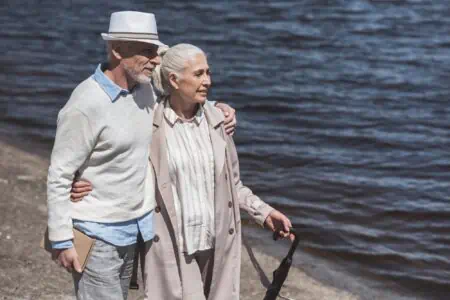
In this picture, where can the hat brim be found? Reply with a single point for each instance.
(108, 37)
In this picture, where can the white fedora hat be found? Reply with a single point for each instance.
(132, 26)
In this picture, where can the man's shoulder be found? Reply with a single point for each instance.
(87, 97)
(86, 90)
(216, 115)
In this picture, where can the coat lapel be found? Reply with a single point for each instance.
(215, 119)
(159, 160)
(222, 212)
(218, 145)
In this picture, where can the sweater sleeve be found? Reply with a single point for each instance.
(252, 204)
(74, 142)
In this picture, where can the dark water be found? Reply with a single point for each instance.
(342, 106)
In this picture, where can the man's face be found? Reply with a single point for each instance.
(139, 60)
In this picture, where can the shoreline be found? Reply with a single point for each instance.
(29, 273)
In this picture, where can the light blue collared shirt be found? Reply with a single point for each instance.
(110, 88)
(122, 233)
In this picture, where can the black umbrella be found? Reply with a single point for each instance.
(140, 246)
(134, 285)
(281, 273)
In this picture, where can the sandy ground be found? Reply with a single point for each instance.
(26, 271)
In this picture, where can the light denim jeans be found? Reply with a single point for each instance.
(107, 273)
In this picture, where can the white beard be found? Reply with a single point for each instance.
(138, 77)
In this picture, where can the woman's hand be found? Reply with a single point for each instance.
(277, 222)
(80, 189)
(230, 117)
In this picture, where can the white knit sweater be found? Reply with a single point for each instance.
(108, 142)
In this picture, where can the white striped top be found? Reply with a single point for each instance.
(191, 169)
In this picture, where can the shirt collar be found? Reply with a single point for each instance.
(110, 88)
(173, 118)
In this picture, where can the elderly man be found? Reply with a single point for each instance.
(103, 134)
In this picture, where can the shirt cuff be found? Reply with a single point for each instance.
(62, 244)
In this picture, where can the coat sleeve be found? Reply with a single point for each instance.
(73, 144)
(252, 204)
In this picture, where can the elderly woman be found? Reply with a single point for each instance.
(196, 252)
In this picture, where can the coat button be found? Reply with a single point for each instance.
(231, 231)
(157, 209)
(230, 204)
(156, 238)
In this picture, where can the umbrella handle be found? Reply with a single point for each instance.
(276, 236)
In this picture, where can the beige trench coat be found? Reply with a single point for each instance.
(163, 276)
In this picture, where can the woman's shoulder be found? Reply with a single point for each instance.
(214, 114)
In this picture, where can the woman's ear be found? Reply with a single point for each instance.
(173, 80)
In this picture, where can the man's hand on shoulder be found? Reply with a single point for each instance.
(230, 117)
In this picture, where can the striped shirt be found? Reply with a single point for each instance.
(191, 169)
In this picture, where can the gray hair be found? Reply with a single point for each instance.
(173, 60)
(108, 50)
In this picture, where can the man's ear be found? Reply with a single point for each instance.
(173, 80)
(116, 53)
(117, 50)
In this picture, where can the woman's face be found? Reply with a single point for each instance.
(195, 80)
